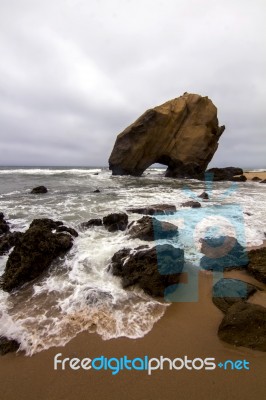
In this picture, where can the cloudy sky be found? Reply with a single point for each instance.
(75, 73)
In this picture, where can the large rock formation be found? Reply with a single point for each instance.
(182, 133)
(227, 292)
(153, 270)
(257, 264)
(244, 324)
(34, 252)
(115, 222)
(8, 345)
(149, 228)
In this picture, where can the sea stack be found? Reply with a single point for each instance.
(182, 133)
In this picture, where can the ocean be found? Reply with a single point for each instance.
(78, 293)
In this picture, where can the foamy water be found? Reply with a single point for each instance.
(78, 293)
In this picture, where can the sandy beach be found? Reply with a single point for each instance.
(250, 175)
(186, 329)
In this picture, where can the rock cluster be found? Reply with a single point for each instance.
(224, 174)
(154, 270)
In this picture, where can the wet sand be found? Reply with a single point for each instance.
(250, 175)
(186, 329)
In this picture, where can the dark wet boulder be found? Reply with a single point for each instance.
(263, 181)
(240, 178)
(204, 196)
(95, 297)
(115, 222)
(149, 228)
(9, 240)
(4, 227)
(222, 253)
(91, 223)
(154, 209)
(192, 204)
(34, 253)
(153, 270)
(244, 324)
(223, 174)
(97, 191)
(39, 190)
(8, 345)
(257, 264)
(227, 292)
(64, 228)
(256, 179)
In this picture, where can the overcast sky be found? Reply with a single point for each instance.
(75, 73)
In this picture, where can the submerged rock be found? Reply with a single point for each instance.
(244, 324)
(224, 174)
(256, 179)
(149, 228)
(39, 190)
(115, 222)
(241, 178)
(92, 222)
(8, 345)
(34, 253)
(153, 270)
(263, 181)
(227, 292)
(63, 228)
(257, 264)
(192, 204)
(204, 196)
(182, 133)
(154, 209)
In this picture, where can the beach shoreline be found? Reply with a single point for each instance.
(185, 329)
(251, 174)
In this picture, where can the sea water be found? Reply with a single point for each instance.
(78, 293)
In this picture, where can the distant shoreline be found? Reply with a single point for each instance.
(251, 174)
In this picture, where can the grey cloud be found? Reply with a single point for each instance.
(73, 74)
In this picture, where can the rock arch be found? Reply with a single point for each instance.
(182, 134)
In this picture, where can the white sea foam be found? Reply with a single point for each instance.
(49, 171)
(78, 295)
